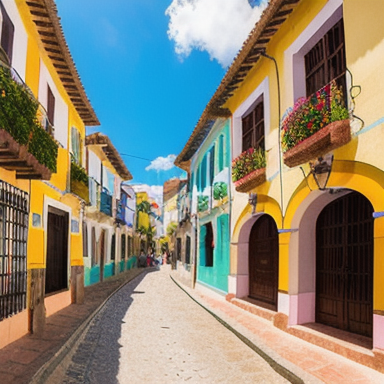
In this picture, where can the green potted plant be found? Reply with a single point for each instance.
(248, 169)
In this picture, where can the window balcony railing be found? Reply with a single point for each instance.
(120, 212)
(106, 203)
(26, 144)
(315, 126)
(248, 170)
(79, 181)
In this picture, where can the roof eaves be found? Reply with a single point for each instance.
(273, 16)
(48, 25)
(111, 153)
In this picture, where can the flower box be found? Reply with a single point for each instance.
(333, 136)
(250, 181)
(248, 169)
(80, 189)
(315, 125)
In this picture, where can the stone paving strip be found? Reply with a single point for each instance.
(152, 332)
(310, 362)
(29, 358)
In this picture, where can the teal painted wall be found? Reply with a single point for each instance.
(217, 275)
(91, 275)
(109, 270)
(132, 262)
(122, 266)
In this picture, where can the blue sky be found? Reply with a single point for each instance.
(149, 67)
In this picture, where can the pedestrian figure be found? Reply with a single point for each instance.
(142, 259)
(149, 257)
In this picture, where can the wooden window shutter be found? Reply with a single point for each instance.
(51, 106)
(7, 33)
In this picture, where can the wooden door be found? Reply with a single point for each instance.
(264, 262)
(56, 278)
(344, 265)
(102, 254)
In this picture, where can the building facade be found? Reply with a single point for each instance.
(306, 206)
(307, 210)
(41, 263)
(204, 225)
(109, 238)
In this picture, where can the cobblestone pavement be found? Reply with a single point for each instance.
(150, 331)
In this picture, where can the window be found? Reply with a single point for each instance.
(51, 106)
(326, 60)
(188, 250)
(253, 128)
(211, 165)
(203, 174)
(93, 249)
(206, 245)
(76, 145)
(220, 154)
(13, 250)
(122, 246)
(113, 247)
(130, 246)
(85, 239)
(178, 248)
(7, 32)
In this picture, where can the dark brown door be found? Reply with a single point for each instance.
(344, 265)
(102, 254)
(264, 262)
(56, 278)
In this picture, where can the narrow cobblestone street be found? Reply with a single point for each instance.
(152, 332)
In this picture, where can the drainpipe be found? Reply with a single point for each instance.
(278, 136)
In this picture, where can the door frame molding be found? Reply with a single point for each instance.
(50, 203)
(262, 303)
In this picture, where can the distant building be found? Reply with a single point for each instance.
(108, 235)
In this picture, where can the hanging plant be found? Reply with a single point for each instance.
(220, 190)
(18, 116)
(78, 173)
(249, 161)
(202, 203)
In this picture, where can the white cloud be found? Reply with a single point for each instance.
(155, 192)
(162, 163)
(217, 26)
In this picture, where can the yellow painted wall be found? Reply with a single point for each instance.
(143, 218)
(359, 165)
(60, 179)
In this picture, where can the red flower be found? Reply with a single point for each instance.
(309, 125)
(320, 106)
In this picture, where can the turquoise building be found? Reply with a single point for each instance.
(206, 158)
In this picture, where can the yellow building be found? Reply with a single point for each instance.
(42, 265)
(142, 223)
(307, 228)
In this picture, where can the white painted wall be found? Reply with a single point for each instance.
(61, 108)
(20, 41)
(94, 166)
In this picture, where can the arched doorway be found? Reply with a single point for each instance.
(344, 264)
(264, 262)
